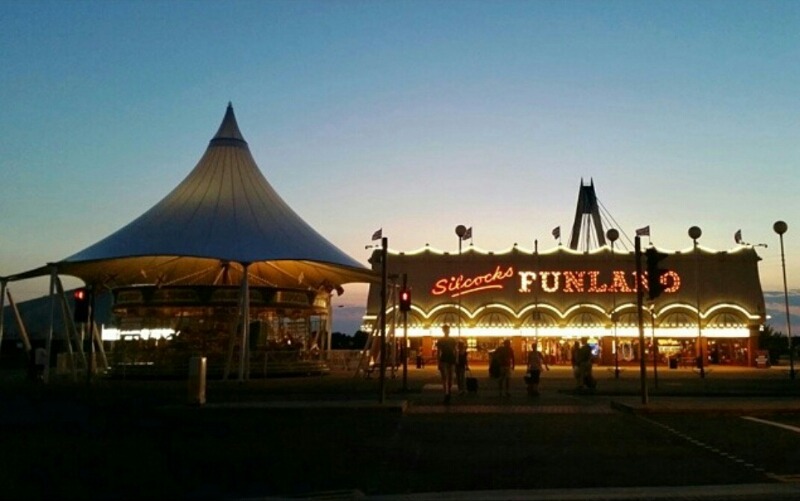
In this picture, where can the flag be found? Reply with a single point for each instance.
(737, 237)
(378, 234)
(467, 234)
(557, 232)
(643, 232)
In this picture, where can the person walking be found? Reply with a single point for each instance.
(505, 357)
(585, 364)
(576, 370)
(535, 363)
(446, 350)
(462, 366)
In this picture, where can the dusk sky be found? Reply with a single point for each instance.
(411, 116)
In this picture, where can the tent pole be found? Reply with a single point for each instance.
(71, 330)
(229, 358)
(22, 332)
(329, 329)
(100, 350)
(49, 345)
(3, 283)
(245, 321)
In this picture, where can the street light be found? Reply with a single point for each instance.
(780, 228)
(694, 233)
(461, 230)
(612, 235)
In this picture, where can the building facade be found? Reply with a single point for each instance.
(712, 304)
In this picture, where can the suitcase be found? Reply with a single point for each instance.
(472, 384)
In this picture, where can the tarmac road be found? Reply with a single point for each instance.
(332, 438)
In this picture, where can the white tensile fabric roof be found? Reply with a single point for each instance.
(222, 215)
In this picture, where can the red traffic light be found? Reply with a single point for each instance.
(405, 300)
(81, 313)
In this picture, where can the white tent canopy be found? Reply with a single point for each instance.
(222, 217)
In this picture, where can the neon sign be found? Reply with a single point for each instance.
(570, 282)
(460, 286)
(567, 282)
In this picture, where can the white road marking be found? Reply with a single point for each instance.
(773, 423)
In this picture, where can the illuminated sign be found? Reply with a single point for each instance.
(568, 282)
(590, 281)
(459, 286)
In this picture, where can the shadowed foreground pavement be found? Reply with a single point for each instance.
(332, 438)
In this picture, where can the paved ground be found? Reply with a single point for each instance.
(340, 437)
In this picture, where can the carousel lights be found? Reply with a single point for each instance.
(114, 334)
(507, 331)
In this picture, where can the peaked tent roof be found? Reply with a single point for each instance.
(222, 215)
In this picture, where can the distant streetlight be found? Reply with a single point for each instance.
(694, 233)
(612, 235)
(461, 230)
(780, 228)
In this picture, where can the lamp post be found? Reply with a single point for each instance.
(612, 235)
(694, 233)
(384, 279)
(461, 230)
(536, 314)
(780, 228)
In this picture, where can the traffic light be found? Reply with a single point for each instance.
(405, 299)
(654, 285)
(81, 313)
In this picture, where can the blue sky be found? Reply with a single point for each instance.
(409, 116)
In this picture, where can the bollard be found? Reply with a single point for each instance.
(197, 380)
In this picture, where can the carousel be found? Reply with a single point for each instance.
(221, 268)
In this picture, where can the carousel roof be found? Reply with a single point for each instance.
(223, 215)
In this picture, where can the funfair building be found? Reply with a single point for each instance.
(710, 311)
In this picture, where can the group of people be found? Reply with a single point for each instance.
(582, 360)
(453, 365)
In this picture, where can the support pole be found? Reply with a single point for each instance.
(392, 340)
(460, 267)
(88, 337)
(536, 314)
(3, 283)
(384, 278)
(780, 228)
(23, 334)
(71, 331)
(101, 351)
(639, 306)
(404, 351)
(328, 329)
(245, 321)
(49, 345)
(613, 234)
(655, 345)
(695, 233)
